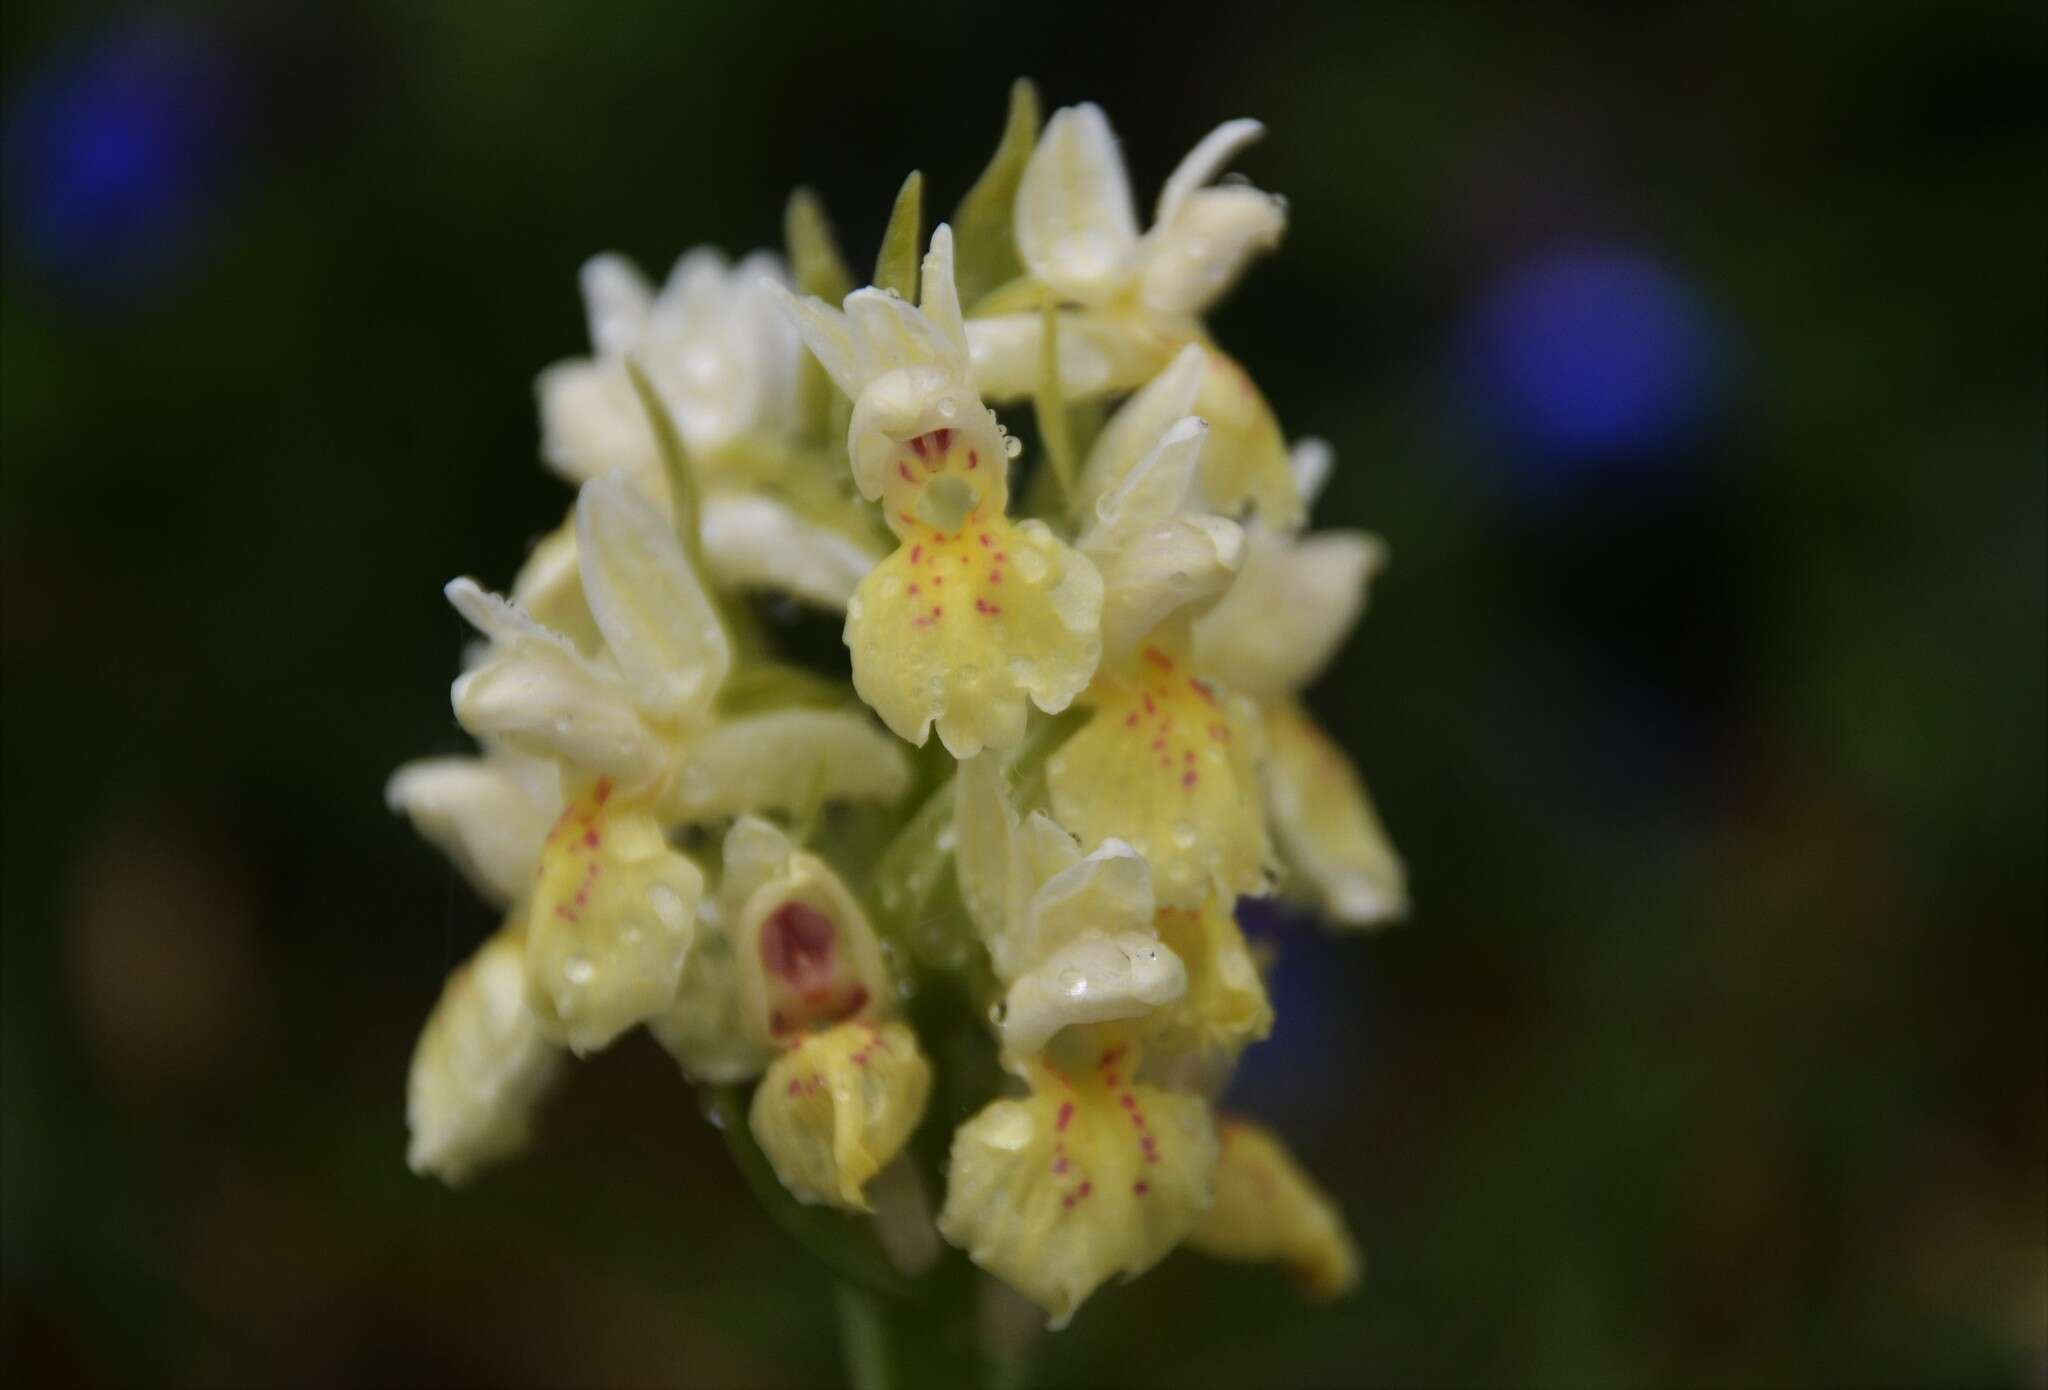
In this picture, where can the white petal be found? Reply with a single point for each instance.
(1310, 461)
(707, 354)
(1192, 260)
(755, 851)
(615, 299)
(777, 352)
(1142, 421)
(482, 817)
(939, 300)
(754, 541)
(1154, 491)
(1108, 891)
(1076, 229)
(549, 586)
(481, 1066)
(827, 334)
(1326, 824)
(1291, 606)
(890, 333)
(536, 692)
(1178, 565)
(656, 618)
(984, 829)
(591, 422)
(1203, 163)
(786, 760)
(1095, 978)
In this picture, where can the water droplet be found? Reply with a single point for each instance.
(945, 839)
(1030, 564)
(1073, 983)
(947, 408)
(1012, 446)
(891, 586)
(1184, 836)
(1024, 672)
(578, 971)
(668, 906)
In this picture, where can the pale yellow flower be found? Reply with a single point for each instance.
(637, 731)
(838, 1106)
(1092, 1173)
(723, 362)
(1131, 302)
(788, 978)
(974, 617)
(1167, 761)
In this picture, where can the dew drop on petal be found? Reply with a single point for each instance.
(667, 905)
(578, 971)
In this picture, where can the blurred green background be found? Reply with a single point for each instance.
(1691, 362)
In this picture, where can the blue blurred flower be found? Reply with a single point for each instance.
(1588, 356)
(1316, 993)
(114, 157)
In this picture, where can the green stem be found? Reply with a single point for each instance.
(930, 1343)
(864, 1340)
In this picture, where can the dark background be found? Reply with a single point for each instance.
(1691, 362)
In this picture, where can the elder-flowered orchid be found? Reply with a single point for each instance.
(975, 616)
(642, 746)
(1167, 760)
(1130, 302)
(722, 361)
(787, 983)
(1294, 601)
(1044, 940)
(1093, 1172)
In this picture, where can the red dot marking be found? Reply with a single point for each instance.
(903, 469)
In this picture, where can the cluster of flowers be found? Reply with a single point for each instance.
(689, 833)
